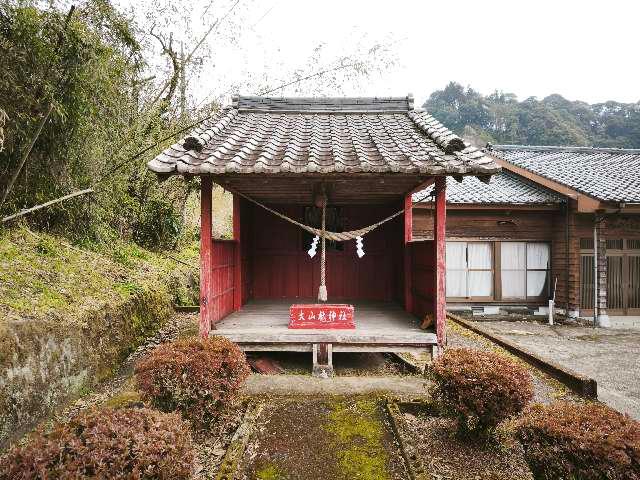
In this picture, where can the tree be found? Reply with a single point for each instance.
(100, 94)
(500, 118)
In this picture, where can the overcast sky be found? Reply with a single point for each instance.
(583, 50)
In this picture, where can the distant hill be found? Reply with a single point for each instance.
(554, 120)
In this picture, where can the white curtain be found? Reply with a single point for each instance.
(479, 256)
(536, 283)
(537, 256)
(480, 283)
(456, 269)
(537, 259)
(456, 255)
(456, 283)
(513, 255)
(462, 256)
(514, 268)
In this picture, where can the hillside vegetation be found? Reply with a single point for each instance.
(70, 315)
(501, 118)
(44, 277)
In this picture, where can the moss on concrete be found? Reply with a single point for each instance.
(359, 438)
(270, 472)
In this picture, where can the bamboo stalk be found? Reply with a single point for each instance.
(46, 204)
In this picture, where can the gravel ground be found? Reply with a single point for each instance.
(611, 357)
(546, 388)
(434, 448)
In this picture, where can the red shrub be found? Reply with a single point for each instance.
(573, 440)
(479, 388)
(196, 377)
(106, 444)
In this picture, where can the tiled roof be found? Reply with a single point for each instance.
(504, 188)
(322, 135)
(608, 174)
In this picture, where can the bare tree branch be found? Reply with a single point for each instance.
(211, 28)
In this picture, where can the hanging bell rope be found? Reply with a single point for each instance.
(322, 289)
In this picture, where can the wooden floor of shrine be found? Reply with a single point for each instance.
(261, 325)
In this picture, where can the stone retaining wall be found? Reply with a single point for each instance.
(46, 363)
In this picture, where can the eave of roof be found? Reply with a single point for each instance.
(504, 190)
(310, 136)
(597, 178)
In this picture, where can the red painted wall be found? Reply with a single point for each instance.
(422, 274)
(279, 266)
(222, 278)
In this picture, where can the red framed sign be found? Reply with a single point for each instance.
(321, 315)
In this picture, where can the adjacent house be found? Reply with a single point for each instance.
(534, 231)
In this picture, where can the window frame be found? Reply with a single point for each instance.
(527, 298)
(496, 273)
(467, 269)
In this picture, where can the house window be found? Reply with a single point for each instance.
(470, 270)
(524, 270)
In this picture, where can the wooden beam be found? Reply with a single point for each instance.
(206, 257)
(423, 185)
(439, 246)
(237, 271)
(408, 235)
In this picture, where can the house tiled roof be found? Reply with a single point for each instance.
(607, 174)
(505, 188)
(322, 135)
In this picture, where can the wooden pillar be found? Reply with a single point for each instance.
(408, 235)
(439, 249)
(237, 271)
(206, 257)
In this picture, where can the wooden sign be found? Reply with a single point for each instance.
(322, 315)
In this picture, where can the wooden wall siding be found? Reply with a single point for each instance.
(483, 224)
(634, 282)
(586, 287)
(281, 267)
(423, 275)
(565, 268)
(619, 251)
(572, 291)
(223, 282)
(615, 283)
(246, 249)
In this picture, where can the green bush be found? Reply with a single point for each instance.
(590, 441)
(106, 444)
(198, 377)
(480, 389)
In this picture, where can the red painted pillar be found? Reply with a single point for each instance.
(439, 247)
(237, 263)
(206, 257)
(408, 235)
